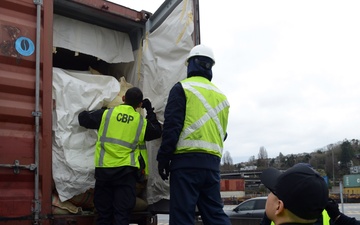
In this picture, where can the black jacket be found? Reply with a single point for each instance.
(345, 220)
(342, 220)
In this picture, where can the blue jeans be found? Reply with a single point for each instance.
(196, 187)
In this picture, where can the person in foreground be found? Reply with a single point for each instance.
(122, 133)
(297, 196)
(331, 215)
(196, 117)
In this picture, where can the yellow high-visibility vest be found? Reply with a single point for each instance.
(205, 124)
(326, 218)
(120, 137)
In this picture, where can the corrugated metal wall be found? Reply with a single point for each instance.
(17, 104)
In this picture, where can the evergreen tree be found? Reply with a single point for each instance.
(347, 153)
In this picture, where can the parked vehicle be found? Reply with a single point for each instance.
(51, 55)
(251, 208)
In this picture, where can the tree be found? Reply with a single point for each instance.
(262, 153)
(290, 161)
(346, 156)
(307, 158)
(252, 159)
(272, 163)
(330, 160)
(356, 149)
(281, 155)
(262, 158)
(282, 161)
(227, 162)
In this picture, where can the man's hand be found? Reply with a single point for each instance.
(146, 104)
(164, 169)
(332, 208)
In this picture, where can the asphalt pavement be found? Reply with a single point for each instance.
(350, 209)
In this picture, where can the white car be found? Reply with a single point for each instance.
(251, 208)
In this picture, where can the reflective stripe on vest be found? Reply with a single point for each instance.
(133, 146)
(212, 113)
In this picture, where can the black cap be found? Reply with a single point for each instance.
(303, 191)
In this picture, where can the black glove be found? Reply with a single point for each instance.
(332, 208)
(146, 104)
(164, 169)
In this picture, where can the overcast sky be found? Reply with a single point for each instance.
(290, 69)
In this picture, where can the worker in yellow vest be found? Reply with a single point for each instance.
(331, 215)
(196, 117)
(297, 196)
(122, 133)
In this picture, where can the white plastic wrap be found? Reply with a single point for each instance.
(109, 45)
(73, 145)
(165, 52)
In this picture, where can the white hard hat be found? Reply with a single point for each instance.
(201, 50)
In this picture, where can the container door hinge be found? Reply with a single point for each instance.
(37, 206)
(38, 2)
(36, 114)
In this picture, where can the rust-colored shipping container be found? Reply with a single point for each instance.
(232, 185)
(27, 58)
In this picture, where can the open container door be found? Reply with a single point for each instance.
(171, 33)
(96, 45)
(94, 48)
(159, 49)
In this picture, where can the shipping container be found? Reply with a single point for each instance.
(232, 185)
(59, 57)
(352, 180)
(352, 191)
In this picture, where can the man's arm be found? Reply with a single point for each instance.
(174, 121)
(344, 219)
(338, 218)
(153, 127)
(91, 119)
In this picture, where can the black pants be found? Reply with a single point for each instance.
(115, 199)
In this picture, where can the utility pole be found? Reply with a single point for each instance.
(333, 164)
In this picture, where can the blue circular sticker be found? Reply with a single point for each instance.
(24, 46)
